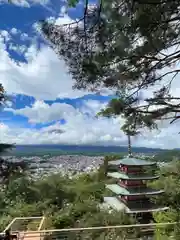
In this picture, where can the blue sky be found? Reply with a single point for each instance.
(41, 88)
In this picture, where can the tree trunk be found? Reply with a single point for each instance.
(129, 146)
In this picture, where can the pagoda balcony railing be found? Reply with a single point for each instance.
(124, 185)
(141, 174)
(137, 189)
(141, 205)
(133, 171)
(137, 203)
(135, 200)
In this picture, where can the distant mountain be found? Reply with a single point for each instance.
(77, 149)
(58, 131)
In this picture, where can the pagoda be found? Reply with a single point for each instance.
(132, 194)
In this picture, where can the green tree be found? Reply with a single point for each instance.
(169, 181)
(105, 218)
(3, 96)
(73, 3)
(125, 43)
(132, 123)
(21, 189)
(87, 213)
(53, 190)
(7, 167)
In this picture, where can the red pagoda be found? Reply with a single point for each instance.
(132, 194)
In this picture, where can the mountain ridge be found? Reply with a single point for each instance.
(86, 150)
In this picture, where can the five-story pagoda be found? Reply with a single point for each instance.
(131, 191)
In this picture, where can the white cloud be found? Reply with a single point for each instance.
(14, 31)
(40, 112)
(24, 3)
(92, 107)
(4, 34)
(44, 76)
(81, 131)
(81, 128)
(63, 10)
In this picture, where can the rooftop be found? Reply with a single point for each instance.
(132, 162)
(120, 175)
(132, 192)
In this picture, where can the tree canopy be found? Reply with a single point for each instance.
(8, 169)
(126, 43)
(72, 3)
(3, 96)
(132, 123)
(75, 202)
(65, 202)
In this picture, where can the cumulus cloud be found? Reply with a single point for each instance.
(81, 131)
(14, 31)
(4, 34)
(45, 77)
(92, 107)
(40, 112)
(24, 3)
(80, 128)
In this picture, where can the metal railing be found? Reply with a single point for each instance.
(21, 224)
(160, 231)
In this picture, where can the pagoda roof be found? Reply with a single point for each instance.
(116, 204)
(132, 192)
(132, 162)
(120, 175)
(140, 210)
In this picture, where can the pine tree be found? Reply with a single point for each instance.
(125, 42)
(8, 168)
(132, 124)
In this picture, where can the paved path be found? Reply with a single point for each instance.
(30, 236)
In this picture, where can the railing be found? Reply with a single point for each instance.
(161, 231)
(22, 224)
(131, 186)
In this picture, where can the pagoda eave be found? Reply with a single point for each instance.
(131, 162)
(143, 210)
(119, 175)
(122, 191)
(118, 205)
